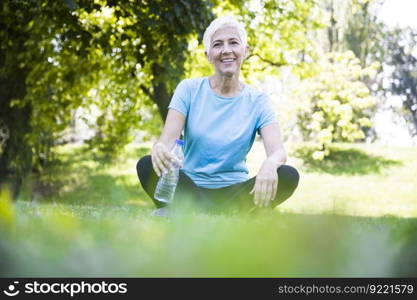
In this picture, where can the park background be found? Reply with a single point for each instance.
(84, 90)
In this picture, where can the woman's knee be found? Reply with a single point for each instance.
(289, 175)
(147, 177)
(143, 164)
(288, 178)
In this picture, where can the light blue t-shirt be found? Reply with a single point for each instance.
(219, 131)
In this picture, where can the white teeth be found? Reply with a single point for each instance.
(227, 60)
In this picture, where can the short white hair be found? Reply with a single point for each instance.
(221, 22)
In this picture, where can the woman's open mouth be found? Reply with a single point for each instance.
(228, 60)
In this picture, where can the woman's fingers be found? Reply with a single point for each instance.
(160, 163)
(263, 193)
(251, 192)
(274, 190)
(255, 193)
(165, 162)
(155, 165)
(268, 193)
(167, 158)
(259, 191)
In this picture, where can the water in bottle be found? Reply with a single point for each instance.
(167, 183)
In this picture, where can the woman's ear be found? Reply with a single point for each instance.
(247, 52)
(207, 56)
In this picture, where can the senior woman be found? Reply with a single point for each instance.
(220, 116)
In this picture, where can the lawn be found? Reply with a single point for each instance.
(353, 215)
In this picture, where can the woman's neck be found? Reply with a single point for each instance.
(226, 86)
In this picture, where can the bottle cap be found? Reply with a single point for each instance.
(179, 142)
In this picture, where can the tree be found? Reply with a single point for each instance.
(56, 56)
(335, 103)
(402, 60)
(364, 33)
(352, 25)
(24, 26)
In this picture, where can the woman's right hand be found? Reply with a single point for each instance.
(162, 158)
(161, 155)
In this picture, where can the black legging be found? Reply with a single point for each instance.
(233, 196)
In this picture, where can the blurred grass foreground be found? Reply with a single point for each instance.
(353, 215)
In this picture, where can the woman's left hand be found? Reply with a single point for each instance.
(266, 184)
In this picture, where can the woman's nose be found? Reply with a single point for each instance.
(226, 49)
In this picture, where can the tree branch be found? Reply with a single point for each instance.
(270, 62)
(146, 90)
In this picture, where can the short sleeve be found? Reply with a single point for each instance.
(181, 99)
(266, 114)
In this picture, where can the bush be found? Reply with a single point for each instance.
(335, 105)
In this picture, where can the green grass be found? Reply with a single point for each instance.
(353, 215)
(384, 183)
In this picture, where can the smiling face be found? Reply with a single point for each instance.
(226, 51)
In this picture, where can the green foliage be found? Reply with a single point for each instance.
(402, 59)
(119, 61)
(80, 241)
(335, 104)
(353, 25)
(7, 215)
(364, 33)
(132, 53)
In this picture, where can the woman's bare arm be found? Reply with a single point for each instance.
(273, 144)
(266, 183)
(161, 156)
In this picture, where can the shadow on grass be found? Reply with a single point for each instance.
(348, 161)
(80, 177)
(104, 189)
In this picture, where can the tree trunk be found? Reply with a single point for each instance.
(16, 158)
(160, 94)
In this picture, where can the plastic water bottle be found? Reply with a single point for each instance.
(167, 183)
